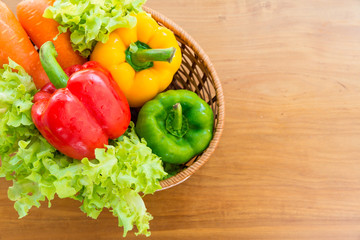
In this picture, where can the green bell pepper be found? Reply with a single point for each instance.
(177, 125)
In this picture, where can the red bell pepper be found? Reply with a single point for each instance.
(85, 111)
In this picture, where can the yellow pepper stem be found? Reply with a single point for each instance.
(143, 56)
(140, 56)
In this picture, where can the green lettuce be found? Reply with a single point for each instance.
(117, 179)
(91, 21)
(16, 94)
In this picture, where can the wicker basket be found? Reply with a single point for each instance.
(197, 74)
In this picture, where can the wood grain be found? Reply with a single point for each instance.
(288, 164)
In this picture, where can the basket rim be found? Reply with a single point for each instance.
(186, 173)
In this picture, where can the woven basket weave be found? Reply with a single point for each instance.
(196, 74)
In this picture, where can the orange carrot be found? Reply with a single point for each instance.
(40, 29)
(15, 44)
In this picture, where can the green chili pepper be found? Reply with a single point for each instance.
(177, 125)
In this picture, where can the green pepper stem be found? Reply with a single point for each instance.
(177, 123)
(142, 57)
(52, 68)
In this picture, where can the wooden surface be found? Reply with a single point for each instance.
(288, 164)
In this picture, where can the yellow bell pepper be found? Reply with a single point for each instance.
(142, 60)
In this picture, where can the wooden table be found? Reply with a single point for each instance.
(288, 164)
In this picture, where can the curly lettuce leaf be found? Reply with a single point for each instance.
(92, 21)
(114, 180)
(16, 94)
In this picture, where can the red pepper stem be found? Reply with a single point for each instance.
(177, 123)
(142, 57)
(52, 68)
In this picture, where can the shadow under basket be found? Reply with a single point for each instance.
(198, 75)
